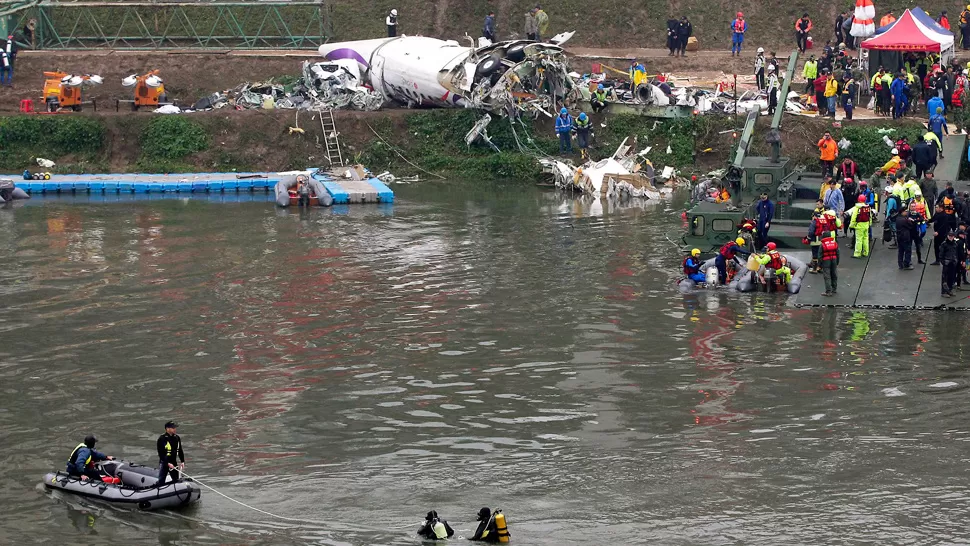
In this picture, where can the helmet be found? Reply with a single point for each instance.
(863, 182)
(939, 110)
(600, 87)
(761, 50)
(739, 241)
(771, 68)
(894, 151)
(90, 440)
(563, 111)
(582, 116)
(861, 199)
(742, 15)
(772, 246)
(393, 12)
(695, 252)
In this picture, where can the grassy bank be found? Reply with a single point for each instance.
(406, 142)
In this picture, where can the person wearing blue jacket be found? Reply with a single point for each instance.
(766, 212)
(938, 126)
(82, 459)
(900, 97)
(934, 103)
(564, 128)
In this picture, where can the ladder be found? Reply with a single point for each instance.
(331, 138)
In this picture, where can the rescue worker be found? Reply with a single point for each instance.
(783, 275)
(850, 194)
(809, 72)
(860, 220)
(850, 90)
(564, 128)
(582, 127)
(847, 169)
(942, 223)
(692, 266)
(542, 23)
(684, 31)
(965, 28)
(531, 27)
(819, 87)
(876, 85)
(949, 258)
(638, 73)
(839, 21)
(903, 173)
(171, 458)
(488, 31)
(435, 528)
(943, 20)
(391, 22)
(924, 158)
(738, 27)
(833, 199)
(919, 213)
(812, 239)
(598, 99)
(766, 213)
(905, 235)
(772, 88)
(759, 69)
(887, 19)
(892, 211)
(909, 191)
(771, 259)
(726, 254)
(929, 188)
(828, 151)
(962, 255)
(900, 96)
(905, 150)
(672, 43)
(487, 528)
(937, 126)
(831, 93)
(892, 165)
(82, 459)
(935, 144)
(802, 27)
(830, 262)
(748, 232)
(933, 103)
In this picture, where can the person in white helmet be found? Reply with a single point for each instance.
(392, 24)
(759, 68)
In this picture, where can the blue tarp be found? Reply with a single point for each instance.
(922, 17)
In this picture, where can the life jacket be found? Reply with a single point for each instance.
(600, 95)
(863, 214)
(70, 461)
(580, 124)
(738, 26)
(830, 249)
(918, 208)
(948, 206)
(775, 259)
(688, 268)
(728, 250)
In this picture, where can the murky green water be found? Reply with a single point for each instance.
(466, 347)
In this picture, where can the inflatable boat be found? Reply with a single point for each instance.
(302, 190)
(136, 487)
(747, 280)
(10, 192)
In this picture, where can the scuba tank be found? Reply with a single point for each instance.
(439, 530)
(501, 527)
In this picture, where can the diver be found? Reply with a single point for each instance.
(435, 528)
(82, 459)
(726, 254)
(488, 530)
(692, 267)
(169, 447)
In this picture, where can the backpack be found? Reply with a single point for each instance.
(863, 214)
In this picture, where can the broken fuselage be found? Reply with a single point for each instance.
(420, 71)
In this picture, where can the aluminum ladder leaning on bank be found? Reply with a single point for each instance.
(331, 137)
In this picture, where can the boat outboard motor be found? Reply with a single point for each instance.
(771, 281)
(303, 191)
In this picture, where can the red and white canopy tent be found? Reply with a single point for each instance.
(910, 34)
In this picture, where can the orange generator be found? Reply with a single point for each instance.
(63, 90)
(149, 91)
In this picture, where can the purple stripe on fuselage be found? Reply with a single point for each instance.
(347, 53)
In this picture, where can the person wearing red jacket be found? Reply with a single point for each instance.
(943, 21)
(802, 27)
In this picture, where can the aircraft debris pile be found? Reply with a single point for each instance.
(627, 173)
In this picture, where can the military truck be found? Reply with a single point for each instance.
(793, 191)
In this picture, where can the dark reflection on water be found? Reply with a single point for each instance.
(466, 347)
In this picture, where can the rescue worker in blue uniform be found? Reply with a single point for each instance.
(564, 128)
(766, 212)
(82, 459)
(726, 254)
(582, 128)
(171, 459)
(692, 266)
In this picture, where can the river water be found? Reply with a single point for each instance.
(500, 346)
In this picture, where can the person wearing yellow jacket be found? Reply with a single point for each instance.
(810, 72)
(892, 165)
(860, 220)
(831, 93)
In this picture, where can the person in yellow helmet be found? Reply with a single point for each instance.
(692, 266)
(726, 254)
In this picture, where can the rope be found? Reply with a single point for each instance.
(277, 516)
(393, 149)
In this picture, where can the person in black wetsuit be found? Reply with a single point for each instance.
(435, 528)
(171, 459)
(487, 530)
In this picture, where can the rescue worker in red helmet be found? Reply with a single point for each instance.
(771, 259)
(860, 219)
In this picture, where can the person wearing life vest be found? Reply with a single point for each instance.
(638, 73)
(943, 20)
(435, 528)
(599, 98)
(809, 72)
(749, 233)
(692, 266)
(171, 458)
(82, 459)
(802, 27)
(909, 191)
(830, 262)
(726, 254)
(860, 220)
(965, 28)
(892, 165)
(487, 528)
(738, 27)
(919, 212)
(759, 69)
(771, 259)
(812, 238)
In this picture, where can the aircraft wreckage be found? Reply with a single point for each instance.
(505, 78)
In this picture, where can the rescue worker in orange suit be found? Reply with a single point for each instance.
(726, 254)
(82, 459)
(828, 152)
(692, 266)
(170, 456)
(802, 27)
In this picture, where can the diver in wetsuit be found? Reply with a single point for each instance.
(435, 528)
(487, 530)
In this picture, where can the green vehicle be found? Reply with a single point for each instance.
(793, 191)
